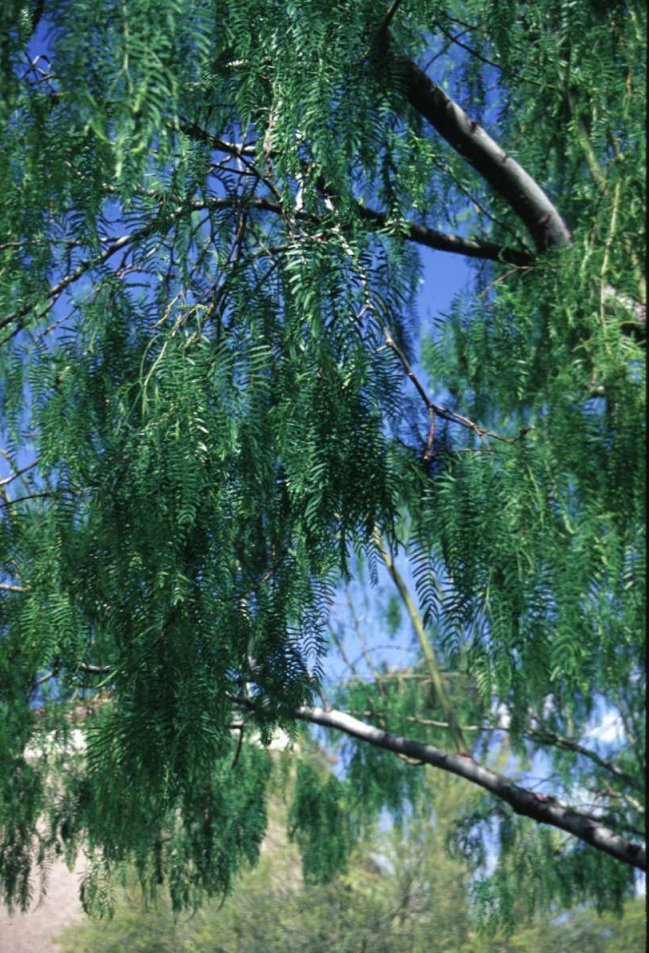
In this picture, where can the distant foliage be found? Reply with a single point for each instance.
(399, 892)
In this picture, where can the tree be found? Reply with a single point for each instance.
(396, 891)
(216, 397)
(399, 892)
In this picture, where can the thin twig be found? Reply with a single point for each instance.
(444, 412)
(17, 473)
(21, 499)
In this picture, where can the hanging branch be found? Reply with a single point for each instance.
(428, 652)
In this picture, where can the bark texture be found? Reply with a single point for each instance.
(505, 176)
(540, 808)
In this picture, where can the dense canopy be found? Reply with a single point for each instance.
(218, 401)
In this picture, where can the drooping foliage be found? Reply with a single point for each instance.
(400, 891)
(210, 215)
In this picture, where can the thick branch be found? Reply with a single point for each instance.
(544, 810)
(429, 237)
(504, 174)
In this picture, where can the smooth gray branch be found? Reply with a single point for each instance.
(503, 173)
(540, 808)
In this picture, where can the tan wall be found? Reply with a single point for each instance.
(33, 932)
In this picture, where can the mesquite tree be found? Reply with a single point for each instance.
(217, 398)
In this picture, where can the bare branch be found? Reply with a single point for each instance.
(541, 808)
(516, 186)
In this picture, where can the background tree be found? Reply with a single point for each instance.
(400, 892)
(211, 402)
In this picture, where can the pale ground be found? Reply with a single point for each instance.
(34, 931)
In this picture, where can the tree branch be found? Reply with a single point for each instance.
(472, 248)
(506, 177)
(549, 739)
(540, 808)
(427, 650)
(442, 241)
(420, 234)
(444, 412)
(85, 266)
(545, 736)
(394, 6)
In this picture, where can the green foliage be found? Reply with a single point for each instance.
(537, 870)
(340, 918)
(400, 892)
(318, 824)
(206, 411)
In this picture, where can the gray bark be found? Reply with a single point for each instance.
(540, 808)
(506, 177)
